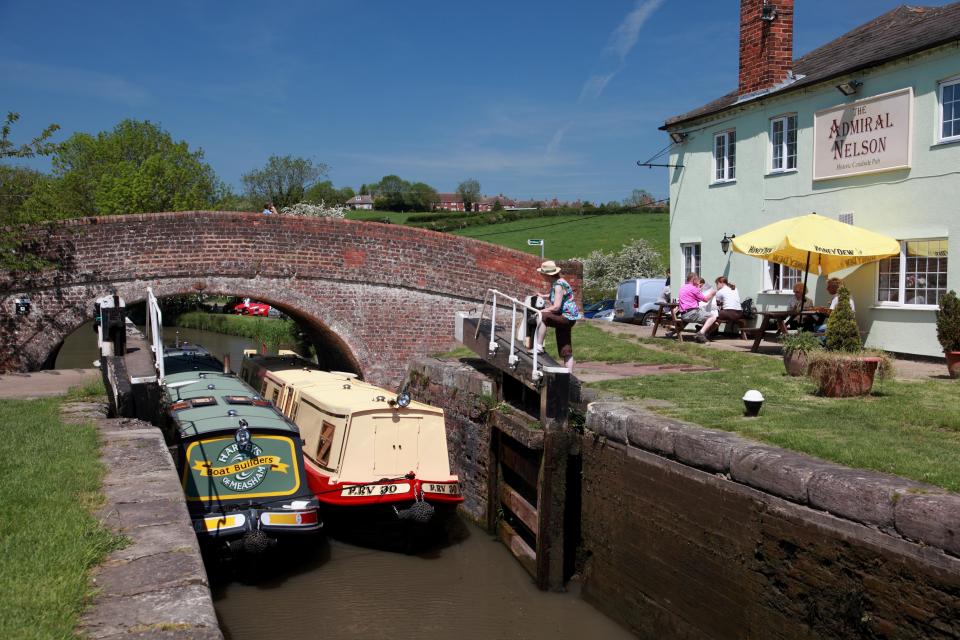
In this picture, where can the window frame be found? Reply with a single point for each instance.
(726, 134)
(902, 289)
(698, 258)
(768, 278)
(941, 85)
(784, 145)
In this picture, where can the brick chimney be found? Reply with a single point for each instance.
(766, 43)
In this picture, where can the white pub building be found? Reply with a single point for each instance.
(865, 129)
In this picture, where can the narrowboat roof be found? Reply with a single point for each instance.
(340, 393)
(203, 399)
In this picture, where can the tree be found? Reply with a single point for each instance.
(136, 167)
(283, 181)
(842, 331)
(17, 184)
(36, 147)
(639, 198)
(603, 271)
(469, 190)
(421, 197)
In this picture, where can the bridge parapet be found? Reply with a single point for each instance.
(376, 294)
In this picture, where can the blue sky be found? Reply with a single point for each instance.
(533, 98)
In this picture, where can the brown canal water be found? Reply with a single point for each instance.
(471, 589)
(329, 589)
(79, 349)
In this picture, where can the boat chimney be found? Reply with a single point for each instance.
(226, 363)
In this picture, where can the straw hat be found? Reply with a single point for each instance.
(549, 268)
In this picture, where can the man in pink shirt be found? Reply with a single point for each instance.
(688, 306)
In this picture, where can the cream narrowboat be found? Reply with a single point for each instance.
(365, 449)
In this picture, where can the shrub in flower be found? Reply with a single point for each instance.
(309, 209)
(602, 271)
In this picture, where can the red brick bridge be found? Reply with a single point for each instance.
(369, 296)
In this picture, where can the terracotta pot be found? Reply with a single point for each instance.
(795, 362)
(953, 363)
(844, 379)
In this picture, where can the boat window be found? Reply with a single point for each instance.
(205, 401)
(238, 399)
(286, 409)
(326, 439)
(276, 395)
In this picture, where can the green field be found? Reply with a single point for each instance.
(571, 236)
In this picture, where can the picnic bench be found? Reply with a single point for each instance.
(773, 324)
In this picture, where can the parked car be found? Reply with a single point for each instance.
(247, 307)
(596, 308)
(636, 300)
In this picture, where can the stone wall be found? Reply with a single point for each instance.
(692, 533)
(378, 295)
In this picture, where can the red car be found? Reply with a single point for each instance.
(248, 307)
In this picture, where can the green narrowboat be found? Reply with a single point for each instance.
(240, 460)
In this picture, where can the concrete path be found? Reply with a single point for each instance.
(156, 587)
(904, 369)
(43, 384)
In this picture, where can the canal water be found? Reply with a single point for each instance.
(467, 588)
(470, 589)
(79, 349)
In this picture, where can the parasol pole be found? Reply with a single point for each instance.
(803, 294)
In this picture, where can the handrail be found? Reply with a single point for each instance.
(155, 332)
(492, 346)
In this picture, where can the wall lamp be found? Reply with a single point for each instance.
(725, 243)
(678, 136)
(849, 88)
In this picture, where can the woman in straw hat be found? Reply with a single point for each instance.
(561, 314)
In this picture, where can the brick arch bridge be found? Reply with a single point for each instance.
(370, 296)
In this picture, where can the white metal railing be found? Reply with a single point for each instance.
(155, 332)
(492, 346)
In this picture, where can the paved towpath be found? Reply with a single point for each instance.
(43, 384)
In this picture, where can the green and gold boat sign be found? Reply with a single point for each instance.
(228, 468)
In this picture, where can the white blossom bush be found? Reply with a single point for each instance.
(310, 209)
(602, 271)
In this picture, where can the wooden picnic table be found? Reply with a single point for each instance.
(774, 324)
(664, 310)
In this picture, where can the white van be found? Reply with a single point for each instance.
(636, 300)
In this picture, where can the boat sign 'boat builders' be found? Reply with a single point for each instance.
(865, 136)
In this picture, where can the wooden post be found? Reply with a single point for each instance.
(552, 489)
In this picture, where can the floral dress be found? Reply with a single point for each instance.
(568, 307)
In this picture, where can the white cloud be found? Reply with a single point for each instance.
(595, 85)
(625, 36)
(558, 138)
(72, 81)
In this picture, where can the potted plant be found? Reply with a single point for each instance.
(844, 368)
(948, 331)
(796, 350)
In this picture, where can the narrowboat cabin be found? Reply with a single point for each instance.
(368, 452)
(240, 461)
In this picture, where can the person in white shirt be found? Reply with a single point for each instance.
(728, 302)
(833, 286)
(709, 306)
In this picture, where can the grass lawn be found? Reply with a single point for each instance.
(575, 236)
(395, 217)
(48, 538)
(909, 428)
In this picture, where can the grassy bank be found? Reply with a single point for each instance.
(908, 428)
(566, 236)
(49, 539)
(272, 331)
(576, 236)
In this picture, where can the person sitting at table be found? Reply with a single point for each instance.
(728, 302)
(798, 302)
(710, 306)
(688, 306)
(833, 286)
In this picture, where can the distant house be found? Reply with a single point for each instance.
(487, 203)
(361, 202)
(449, 202)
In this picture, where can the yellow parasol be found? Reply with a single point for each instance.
(828, 244)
